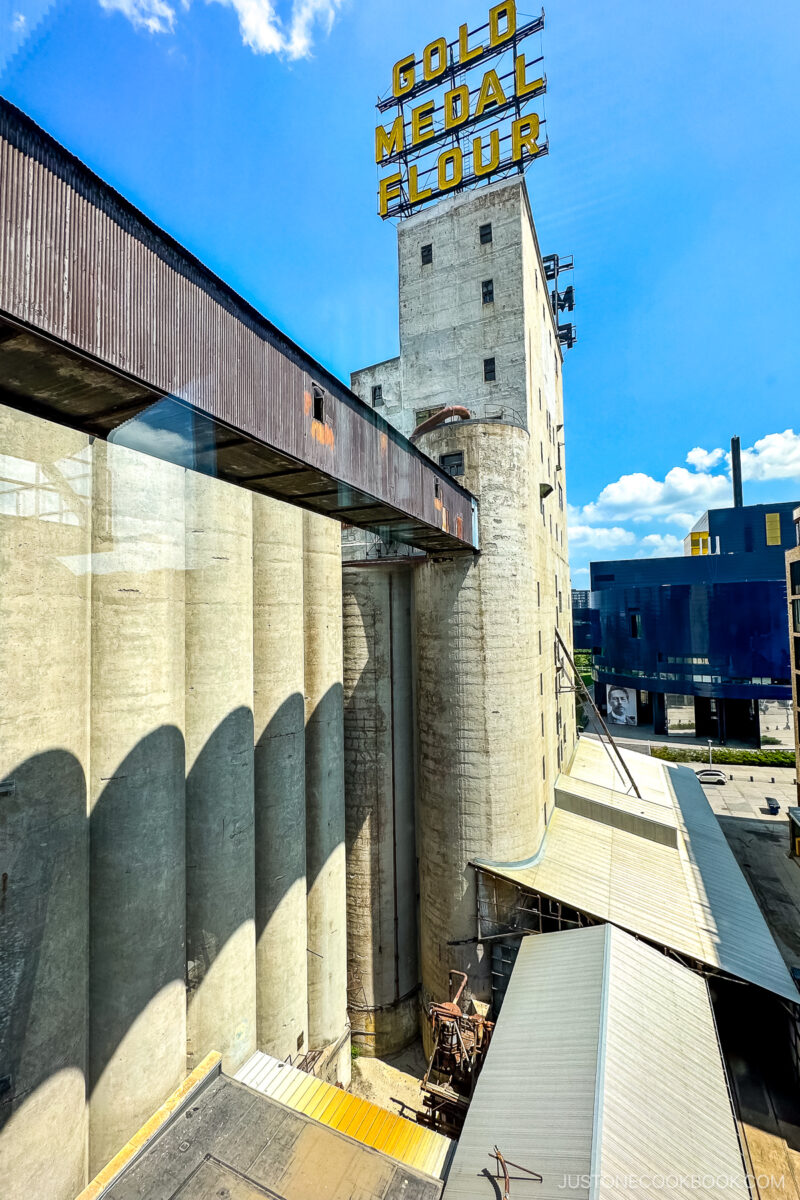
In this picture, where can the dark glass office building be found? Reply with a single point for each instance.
(700, 644)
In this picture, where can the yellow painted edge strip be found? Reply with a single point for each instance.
(406, 1145)
(297, 1097)
(387, 1133)
(370, 1122)
(343, 1113)
(353, 1115)
(334, 1106)
(377, 1129)
(321, 1101)
(150, 1128)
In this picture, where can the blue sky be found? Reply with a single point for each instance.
(245, 128)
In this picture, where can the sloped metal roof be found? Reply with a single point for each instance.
(423, 1149)
(690, 897)
(604, 1076)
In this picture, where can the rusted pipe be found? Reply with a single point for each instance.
(444, 414)
(459, 975)
(506, 1181)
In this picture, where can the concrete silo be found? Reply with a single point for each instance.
(379, 794)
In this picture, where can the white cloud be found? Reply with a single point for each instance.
(639, 497)
(704, 460)
(600, 537)
(260, 26)
(683, 520)
(156, 16)
(18, 22)
(776, 456)
(659, 545)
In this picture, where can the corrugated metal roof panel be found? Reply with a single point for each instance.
(423, 1149)
(563, 1092)
(691, 898)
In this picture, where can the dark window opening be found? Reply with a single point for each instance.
(319, 402)
(377, 395)
(604, 578)
(427, 254)
(452, 463)
(436, 488)
(748, 539)
(489, 373)
(422, 414)
(485, 233)
(544, 768)
(487, 291)
(636, 624)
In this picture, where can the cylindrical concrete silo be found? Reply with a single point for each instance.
(220, 882)
(45, 531)
(382, 964)
(137, 794)
(280, 785)
(325, 833)
(479, 786)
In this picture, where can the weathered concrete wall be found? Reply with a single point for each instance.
(149, 823)
(493, 732)
(325, 826)
(220, 879)
(544, 382)
(480, 786)
(446, 330)
(387, 376)
(45, 532)
(379, 799)
(136, 794)
(280, 786)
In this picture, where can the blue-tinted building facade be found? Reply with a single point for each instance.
(709, 625)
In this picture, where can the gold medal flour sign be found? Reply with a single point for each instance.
(460, 114)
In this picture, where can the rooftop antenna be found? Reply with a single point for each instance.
(736, 472)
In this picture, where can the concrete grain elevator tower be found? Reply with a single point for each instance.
(480, 346)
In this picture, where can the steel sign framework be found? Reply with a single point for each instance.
(461, 114)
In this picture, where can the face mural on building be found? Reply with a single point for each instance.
(622, 705)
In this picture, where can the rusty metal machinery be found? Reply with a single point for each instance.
(460, 1042)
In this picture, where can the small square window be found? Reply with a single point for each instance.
(427, 254)
(486, 233)
(377, 395)
(489, 373)
(452, 463)
(319, 402)
(422, 414)
(487, 291)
